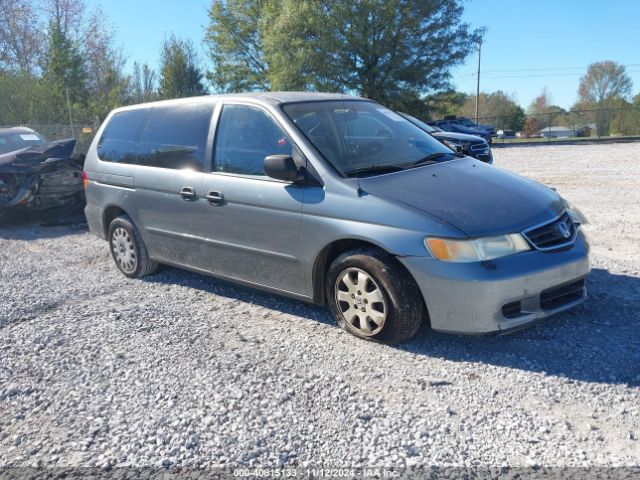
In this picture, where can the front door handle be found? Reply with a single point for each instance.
(187, 193)
(215, 198)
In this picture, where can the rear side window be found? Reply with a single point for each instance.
(175, 137)
(119, 141)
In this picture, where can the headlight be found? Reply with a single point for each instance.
(476, 250)
(575, 213)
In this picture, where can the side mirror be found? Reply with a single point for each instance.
(282, 167)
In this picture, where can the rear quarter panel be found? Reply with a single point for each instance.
(110, 185)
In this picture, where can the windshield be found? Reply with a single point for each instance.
(12, 141)
(359, 137)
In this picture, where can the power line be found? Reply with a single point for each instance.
(542, 69)
(545, 75)
(553, 68)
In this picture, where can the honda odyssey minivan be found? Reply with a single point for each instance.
(335, 200)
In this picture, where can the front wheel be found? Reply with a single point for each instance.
(373, 297)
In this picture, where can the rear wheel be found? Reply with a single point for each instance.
(128, 250)
(373, 297)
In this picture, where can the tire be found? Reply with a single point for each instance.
(389, 309)
(128, 250)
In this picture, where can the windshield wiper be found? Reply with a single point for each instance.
(375, 169)
(432, 158)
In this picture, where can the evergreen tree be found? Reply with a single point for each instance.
(65, 74)
(393, 51)
(180, 75)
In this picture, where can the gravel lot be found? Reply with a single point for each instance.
(180, 369)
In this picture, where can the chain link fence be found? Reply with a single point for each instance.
(556, 125)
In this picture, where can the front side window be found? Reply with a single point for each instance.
(246, 135)
(119, 141)
(362, 137)
(175, 137)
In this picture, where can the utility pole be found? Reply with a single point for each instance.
(478, 82)
(73, 133)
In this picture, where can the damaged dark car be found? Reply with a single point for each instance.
(37, 175)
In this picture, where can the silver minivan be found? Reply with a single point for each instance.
(335, 200)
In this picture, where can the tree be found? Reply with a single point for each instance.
(143, 84)
(498, 108)
(623, 118)
(104, 65)
(448, 102)
(531, 127)
(180, 75)
(20, 36)
(546, 113)
(23, 99)
(65, 73)
(68, 16)
(234, 38)
(604, 84)
(514, 118)
(541, 103)
(53, 46)
(393, 51)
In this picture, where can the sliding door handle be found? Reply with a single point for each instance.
(215, 198)
(187, 193)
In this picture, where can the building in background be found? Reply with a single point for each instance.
(558, 132)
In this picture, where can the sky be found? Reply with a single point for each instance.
(529, 44)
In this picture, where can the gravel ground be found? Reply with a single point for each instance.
(183, 370)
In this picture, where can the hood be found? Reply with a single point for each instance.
(484, 126)
(478, 199)
(471, 131)
(457, 128)
(458, 137)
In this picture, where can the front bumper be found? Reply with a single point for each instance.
(469, 297)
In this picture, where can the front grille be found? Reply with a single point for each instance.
(555, 297)
(556, 234)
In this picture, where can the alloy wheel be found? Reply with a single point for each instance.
(361, 301)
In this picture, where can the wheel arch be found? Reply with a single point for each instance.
(109, 214)
(329, 253)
